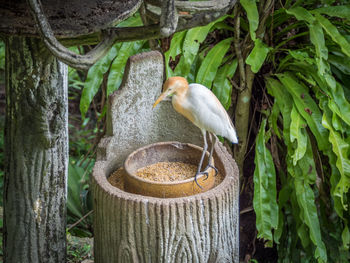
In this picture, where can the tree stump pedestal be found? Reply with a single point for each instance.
(136, 228)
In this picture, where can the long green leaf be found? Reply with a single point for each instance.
(222, 87)
(174, 50)
(258, 55)
(341, 150)
(306, 107)
(301, 13)
(264, 202)
(211, 63)
(116, 72)
(285, 103)
(252, 15)
(95, 77)
(333, 32)
(306, 201)
(318, 40)
(298, 133)
(342, 11)
(190, 47)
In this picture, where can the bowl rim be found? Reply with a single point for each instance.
(189, 180)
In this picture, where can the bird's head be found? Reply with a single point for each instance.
(173, 85)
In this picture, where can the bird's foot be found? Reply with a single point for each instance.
(199, 173)
(211, 166)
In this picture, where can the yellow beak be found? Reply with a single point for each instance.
(160, 98)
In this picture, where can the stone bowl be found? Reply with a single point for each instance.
(166, 152)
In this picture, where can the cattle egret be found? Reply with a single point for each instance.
(198, 104)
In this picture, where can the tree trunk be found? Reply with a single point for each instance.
(36, 150)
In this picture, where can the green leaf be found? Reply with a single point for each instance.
(339, 104)
(301, 55)
(174, 50)
(341, 149)
(132, 21)
(341, 62)
(94, 78)
(301, 13)
(253, 16)
(211, 63)
(318, 40)
(264, 202)
(298, 133)
(285, 103)
(306, 107)
(333, 32)
(116, 72)
(273, 118)
(194, 37)
(342, 11)
(258, 55)
(306, 200)
(222, 87)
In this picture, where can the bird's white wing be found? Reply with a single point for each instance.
(208, 112)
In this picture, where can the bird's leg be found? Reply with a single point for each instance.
(211, 153)
(205, 147)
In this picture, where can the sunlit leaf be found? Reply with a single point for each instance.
(253, 16)
(258, 55)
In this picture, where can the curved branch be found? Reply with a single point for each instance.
(203, 12)
(74, 60)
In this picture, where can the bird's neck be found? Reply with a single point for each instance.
(180, 104)
(181, 93)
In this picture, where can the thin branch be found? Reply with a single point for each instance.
(81, 219)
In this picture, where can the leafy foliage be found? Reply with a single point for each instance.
(210, 64)
(79, 203)
(301, 179)
(110, 67)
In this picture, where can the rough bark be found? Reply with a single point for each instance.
(36, 150)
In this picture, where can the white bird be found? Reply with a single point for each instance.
(198, 104)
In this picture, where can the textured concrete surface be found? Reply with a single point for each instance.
(132, 123)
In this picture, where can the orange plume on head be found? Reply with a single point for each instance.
(172, 81)
(173, 85)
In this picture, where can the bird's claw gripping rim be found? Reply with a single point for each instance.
(215, 169)
(199, 173)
